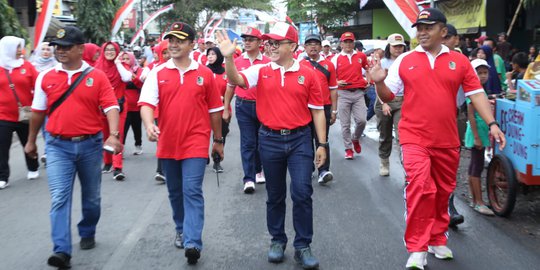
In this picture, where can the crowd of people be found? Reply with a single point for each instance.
(85, 98)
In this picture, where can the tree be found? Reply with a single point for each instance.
(95, 18)
(329, 13)
(9, 24)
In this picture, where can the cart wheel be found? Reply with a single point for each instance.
(501, 185)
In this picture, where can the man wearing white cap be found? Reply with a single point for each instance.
(288, 99)
(326, 50)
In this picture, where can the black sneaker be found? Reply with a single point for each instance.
(179, 240)
(305, 258)
(118, 175)
(455, 220)
(159, 178)
(192, 254)
(218, 168)
(87, 243)
(59, 260)
(107, 168)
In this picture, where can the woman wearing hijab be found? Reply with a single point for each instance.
(43, 57)
(22, 75)
(119, 74)
(91, 53)
(133, 91)
(215, 63)
(493, 84)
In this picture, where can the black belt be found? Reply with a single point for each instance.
(245, 100)
(73, 138)
(355, 89)
(283, 131)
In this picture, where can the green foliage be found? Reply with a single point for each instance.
(528, 4)
(9, 24)
(329, 13)
(95, 18)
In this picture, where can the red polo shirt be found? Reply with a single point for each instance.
(349, 68)
(243, 62)
(430, 85)
(221, 85)
(185, 100)
(284, 98)
(80, 113)
(24, 78)
(199, 57)
(326, 84)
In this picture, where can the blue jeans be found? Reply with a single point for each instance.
(184, 182)
(371, 97)
(295, 153)
(65, 159)
(249, 126)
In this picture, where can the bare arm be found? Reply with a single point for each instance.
(113, 119)
(215, 122)
(472, 122)
(319, 121)
(147, 116)
(229, 93)
(36, 121)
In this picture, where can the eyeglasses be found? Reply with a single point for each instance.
(250, 39)
(110, 50)
(275, 44)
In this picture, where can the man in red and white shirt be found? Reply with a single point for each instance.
(73, 139)
(199, 55)
(327, 79)
(352, 86)
(245, 111)
(429, 77)
(190, 108)
(326, 50)
(288, 99)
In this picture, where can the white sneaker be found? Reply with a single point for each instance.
(3, 184)
(441, 252)
(138, 150)
(259, 178)
(325, 177)
(384, 167)
(417, 260)
(32, 175)
(249, 187)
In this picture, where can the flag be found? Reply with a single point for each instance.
(43, 21)
(140, 32)
(120, 16)
(291, 21)
(211, 33)
(363, 3)
(405, 12)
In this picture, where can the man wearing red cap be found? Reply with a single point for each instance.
(245, 111)
(428, 130)
(190, 107)
(352, 85)
(288, 99)
(199, 55)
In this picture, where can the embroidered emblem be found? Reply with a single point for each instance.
(225, 77)
(200, 81)
(61, 33)
(89, 82)
(301, 79)
(360, 60)
(23, 71)
(178, 26)
(452, 65)
(326, 66)
(424, 14)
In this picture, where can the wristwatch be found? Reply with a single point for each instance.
(115, 134)
(219, 140)
(334, 112)
(493, 123)
(324, 144)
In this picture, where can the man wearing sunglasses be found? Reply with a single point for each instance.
(288, 99)
(245, 111)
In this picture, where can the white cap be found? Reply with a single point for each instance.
(206, 40)
(396, 39)
(479, 62)
(325, 43)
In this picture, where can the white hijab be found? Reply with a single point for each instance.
(41, 63)
(8, 52)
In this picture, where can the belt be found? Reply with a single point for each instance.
(73, 138)
(283, 131)
(354, 89)
(245, 100)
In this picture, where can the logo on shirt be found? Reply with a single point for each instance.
(325, 66)
(200, 81)
(23, 71)
(89, 82)
(411, 67)
(225, 77)
(360, 60)
(452, 65)
(301, 79)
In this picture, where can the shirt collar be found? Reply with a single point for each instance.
(59, 67)
(246, 56)
(443, 50)
(351, 54)
(295, 66)
(192, 66)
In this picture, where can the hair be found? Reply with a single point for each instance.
(474, 52)
(492, 40)
(387, 54)
(521, 59)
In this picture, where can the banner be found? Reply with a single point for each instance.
(120, 16)
(405, 12)
(43, 21)
(465, 15)
(140, 32)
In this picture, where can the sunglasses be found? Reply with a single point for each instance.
(275, 44)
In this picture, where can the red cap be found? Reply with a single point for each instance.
(200, 40)
(481, 39)
(347, 36)
(282, 31)
(252, 32)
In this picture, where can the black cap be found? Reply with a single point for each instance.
(312, 37)
(452, 31)
(358, 45)
(430, 16)
(180, 30)
(68, 36)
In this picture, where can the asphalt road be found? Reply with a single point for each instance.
(358, 221)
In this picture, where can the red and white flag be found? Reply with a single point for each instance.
(43, 21)
(120, 16)
(140, 32)
(405, 12)
(291, 21)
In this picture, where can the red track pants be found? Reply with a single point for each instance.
(431, 178)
